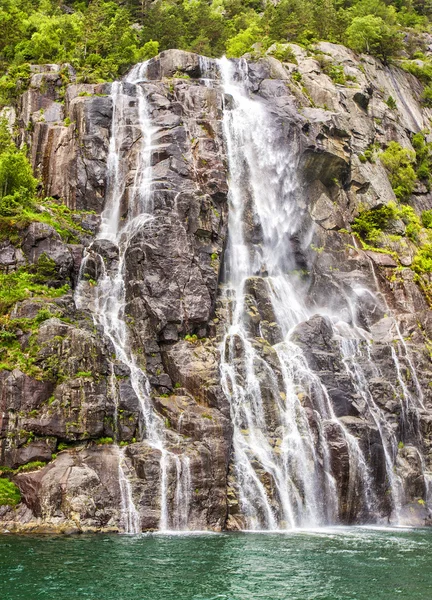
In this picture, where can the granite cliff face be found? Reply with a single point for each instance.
(178, 302)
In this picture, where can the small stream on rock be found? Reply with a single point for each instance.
(108, 296)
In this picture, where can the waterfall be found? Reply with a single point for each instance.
(131, 120)
(281, 412)
(295, 463)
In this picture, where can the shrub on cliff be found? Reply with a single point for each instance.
(399, 163)
(372, 35)
(17, 184)
(370, 223)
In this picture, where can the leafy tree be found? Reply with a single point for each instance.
(242, 42)
(372, 35)
(17, 184)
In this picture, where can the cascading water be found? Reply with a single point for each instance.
(286, 436)
(355, 346)
(131, 118)
(281, 412)
(283, 418)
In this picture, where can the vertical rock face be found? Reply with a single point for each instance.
(364, 335)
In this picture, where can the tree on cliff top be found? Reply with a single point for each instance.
(102, 38)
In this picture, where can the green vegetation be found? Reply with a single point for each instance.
(102, 38)
(31, 466)
(399, 163)
(20, 206)
(84, 374)
(426, 219)
(423, 150)
(104, 440)
(371, 153)
(370, 223)
(12, 354)
(376, 227)
(391, 103)
(192, 339)
(9, 493)
(22, 284)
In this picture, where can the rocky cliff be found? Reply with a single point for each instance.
(79, 419)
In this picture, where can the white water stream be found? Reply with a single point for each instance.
(281, 413)
(284, 426)
(131, 117)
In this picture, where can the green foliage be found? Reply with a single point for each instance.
(370, 223)
(391, 103)
(371, 153)
(335, 72)
(84, 374)
(284, 53)
(19, 205)
(149, 50)
(372, 35)
(17, 184)
(423, 151)
(19, 285)
(31, 466)
(12, 354)
(101, 39)
(242, 42)
(9, 493)
(399, 163)
(14, 82)
(426, 219)
(422, 262)
(104, 440)
(427, 96)
(193, 339)
(412, 221)
(422, 72)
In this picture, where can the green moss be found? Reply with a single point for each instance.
(422, 262)
(180, 75)
(192, 339)
(104, 440)
(31, 466)
(22, 284)
(9, 493)
(84, 374)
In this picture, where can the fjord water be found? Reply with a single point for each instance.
(339, 564)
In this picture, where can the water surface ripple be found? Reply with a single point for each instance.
(330, 564)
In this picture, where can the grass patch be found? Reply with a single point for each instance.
(9, 493)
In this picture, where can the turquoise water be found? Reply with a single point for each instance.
(343, 564)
